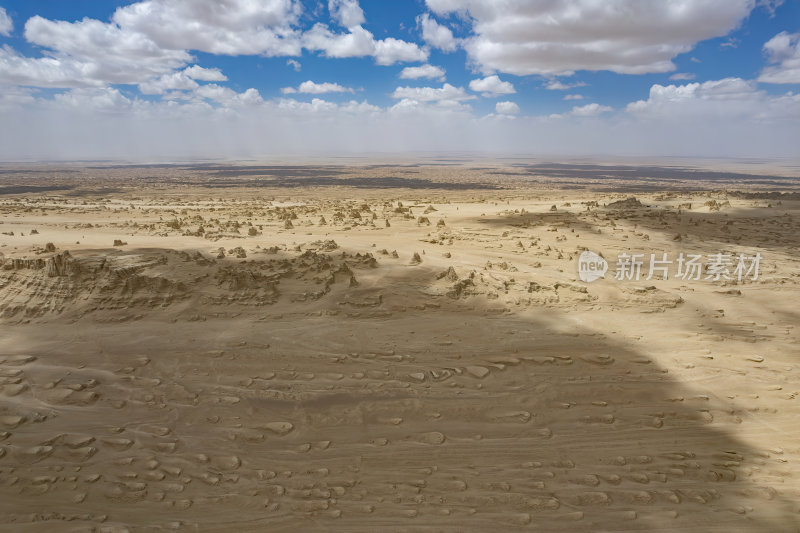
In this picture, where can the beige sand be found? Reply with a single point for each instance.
(392, 349)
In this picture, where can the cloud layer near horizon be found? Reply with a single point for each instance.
(247, 126)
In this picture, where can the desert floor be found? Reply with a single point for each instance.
(394, 348)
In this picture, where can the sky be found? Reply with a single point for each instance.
(243, 79)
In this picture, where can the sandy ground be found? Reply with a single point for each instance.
(394, 348)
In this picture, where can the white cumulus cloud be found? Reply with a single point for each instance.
(358, 42)
(437, 35)
(102, 99)
(90, 52)
(316, 105)
(231, 27)
(197, 72)
(390, 51)
(625, 36)
(310, 87)
(319, 106)
(347, 12)
(727, 99)
(359, 107)
(148, 41)
(423, 71)
(492, 86)
(228, 97)
(783, 51)
(177, 81)
(6, 25)
(555, 85)
(17, 69)
(183, 80)
(588, 110)
(432, 94)
(506, 108)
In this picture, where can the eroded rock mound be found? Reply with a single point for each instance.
(109, 280)
(628, 203)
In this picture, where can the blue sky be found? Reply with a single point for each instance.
(518, 72)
